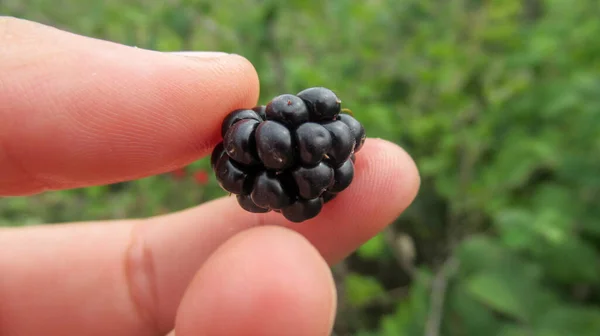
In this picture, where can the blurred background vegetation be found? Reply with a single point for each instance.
(498, 102)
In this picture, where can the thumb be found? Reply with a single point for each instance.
(78, 111)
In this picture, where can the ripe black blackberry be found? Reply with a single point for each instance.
(290, 156)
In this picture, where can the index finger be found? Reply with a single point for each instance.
(78, 111)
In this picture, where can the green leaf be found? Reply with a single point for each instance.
(361, 289)
(572, 261)
(466, 315)
(501, 293)
(373, 248)
(515, 228)
(516, 330)
(481, 252)
(570, 320)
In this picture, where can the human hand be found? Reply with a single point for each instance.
(77, 112)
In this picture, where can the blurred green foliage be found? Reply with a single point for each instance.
(498, 101)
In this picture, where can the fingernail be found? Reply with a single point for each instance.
(200, 54)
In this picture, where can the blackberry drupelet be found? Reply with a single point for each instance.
(288, 110)
(291, 156)
(236, 116)
(275, 145)
(314, 141)
(322, 103)
(240, 143)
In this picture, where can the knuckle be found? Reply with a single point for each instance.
(141, 278)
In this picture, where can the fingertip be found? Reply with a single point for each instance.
(385, 183)
(390, 164)
(248, 90)
(245, 90)
(262, 281)
(238, 87)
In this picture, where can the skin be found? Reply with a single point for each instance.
(78, 112)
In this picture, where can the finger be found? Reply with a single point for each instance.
(78, 111)
(264, 281)
(132, 274)
(386, 182)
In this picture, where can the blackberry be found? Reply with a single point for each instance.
(313, 181)
(291, 156)
(342, 177)
(322, 103)
(270, 191)
(275, 145)
(245, 201)
(356, 128)
(232, 176)
(236, 116)
(303, 209)
(217, 152)
(313, 141)
(240, 143)
(342, 144)
(261, 111)
(287, 109)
